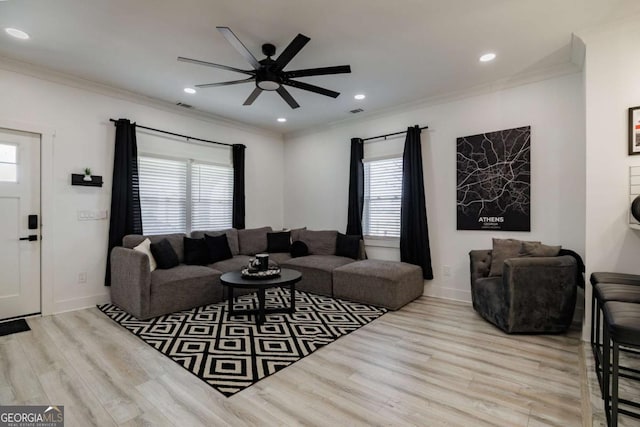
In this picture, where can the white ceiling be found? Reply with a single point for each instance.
(400, 51)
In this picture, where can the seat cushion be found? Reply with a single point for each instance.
(619, 278)
(616, 292)
(623, 320)
(317, 272)
(233, 264)
(389, 284)
(279, 257)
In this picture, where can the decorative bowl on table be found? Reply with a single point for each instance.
(252, 273)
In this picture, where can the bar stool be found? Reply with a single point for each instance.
(609, 287)
(621, 327)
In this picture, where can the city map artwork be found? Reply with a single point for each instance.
(494, 181)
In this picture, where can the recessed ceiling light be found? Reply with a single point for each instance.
(282, 119)
(359, 96)
(14, 32)
(189, 90)
(488, 57)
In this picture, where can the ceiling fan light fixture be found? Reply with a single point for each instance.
(19, 34)
(268, 85)
(189, 90)
(360, 96)
(488, 57)
(281, 119)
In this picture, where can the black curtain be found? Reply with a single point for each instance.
(414, 234)
(356, 188)
(126, 217)
(238, 186)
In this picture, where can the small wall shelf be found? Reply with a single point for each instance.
(78, 179)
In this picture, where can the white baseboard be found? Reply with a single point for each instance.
(447, 293)
(80, 303)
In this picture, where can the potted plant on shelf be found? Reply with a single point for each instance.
(87, 175)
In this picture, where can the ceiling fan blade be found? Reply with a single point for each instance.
(311, 88)
(211, 64)
(290, 51)
(287, 97)
(239, 46)
(339, 69)
(257, 91)
(232, 82)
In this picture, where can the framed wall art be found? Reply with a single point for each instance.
(493, 189)
(634, 130)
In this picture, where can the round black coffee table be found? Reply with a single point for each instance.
(234, 279)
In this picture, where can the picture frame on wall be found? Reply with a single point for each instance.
(634, 130)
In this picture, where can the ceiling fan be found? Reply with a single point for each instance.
(268, 73)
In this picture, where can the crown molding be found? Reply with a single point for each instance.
(43, 73)
(586, 33)
(520, 79)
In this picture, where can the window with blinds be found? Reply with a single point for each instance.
(177, 196)
(382, 197)
(211, 196)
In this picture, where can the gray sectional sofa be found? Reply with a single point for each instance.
(146, 294)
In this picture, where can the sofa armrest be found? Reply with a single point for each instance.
(540, 289)
(130, 281)
(480, 264)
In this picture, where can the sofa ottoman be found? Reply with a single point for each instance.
(388, 284)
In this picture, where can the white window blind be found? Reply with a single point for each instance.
(211, 196)
(163, 195)
(382, 197)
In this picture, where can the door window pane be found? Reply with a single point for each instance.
(8, 160)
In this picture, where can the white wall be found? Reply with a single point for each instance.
(84, 137)
(611, 86)
(317, 169)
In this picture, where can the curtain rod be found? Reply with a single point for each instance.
(188, 138)
(390, 134)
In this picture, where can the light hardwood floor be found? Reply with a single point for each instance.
(434, 362)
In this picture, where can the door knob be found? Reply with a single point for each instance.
(30, 238)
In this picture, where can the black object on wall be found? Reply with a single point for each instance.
(635, 208)
(238, 186)
(78, 179)
(356, 188)
(126, 217)
(414, 233)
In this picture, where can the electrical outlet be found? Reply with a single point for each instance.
(82, 277)
(446, 270)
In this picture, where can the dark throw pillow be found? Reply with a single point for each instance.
(164, 254)
(195, 251)
(218, 247)
(299, 249)
(279, 242)
(348, 246)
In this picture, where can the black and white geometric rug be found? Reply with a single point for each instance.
(231, 354)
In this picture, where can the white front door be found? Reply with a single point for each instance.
(19, 198)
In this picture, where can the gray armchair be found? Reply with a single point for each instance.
(533, 295)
